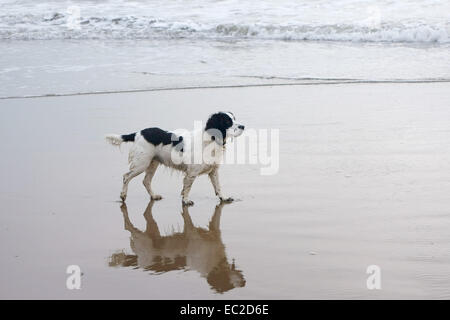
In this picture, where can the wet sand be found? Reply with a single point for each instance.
(364, 180)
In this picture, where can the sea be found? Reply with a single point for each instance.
(99, 46)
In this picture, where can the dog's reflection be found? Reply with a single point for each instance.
(193, 249)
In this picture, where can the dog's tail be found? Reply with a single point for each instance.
(116, 140)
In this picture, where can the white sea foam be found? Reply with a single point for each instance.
(422, 21)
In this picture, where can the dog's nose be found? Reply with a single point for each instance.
(241, 127)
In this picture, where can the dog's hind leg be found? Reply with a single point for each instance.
(149, 173)
(139, 159)
(126, 180)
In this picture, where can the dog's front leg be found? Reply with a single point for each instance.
(214, 177)
(187, 184)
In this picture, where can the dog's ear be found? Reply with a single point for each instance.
(217, 126)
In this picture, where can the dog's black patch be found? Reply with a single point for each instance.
(156, 136)
(219, 121)
(128, 137)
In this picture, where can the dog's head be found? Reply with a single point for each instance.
(223, 125)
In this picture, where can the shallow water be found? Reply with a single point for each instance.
(56, 47)
(56, 67)
(363, 180)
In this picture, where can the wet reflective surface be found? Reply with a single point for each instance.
(364, 180)
(194, 249)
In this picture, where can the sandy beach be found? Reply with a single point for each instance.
(364, 179)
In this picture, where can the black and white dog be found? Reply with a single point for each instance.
(154, 146)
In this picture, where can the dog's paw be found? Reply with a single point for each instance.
(226, 199)
(188, 203)
(156, 197)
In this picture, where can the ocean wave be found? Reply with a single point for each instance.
(55, 26)
(418, 21)
(341, 32)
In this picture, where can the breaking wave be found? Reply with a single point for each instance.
(331, 21)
